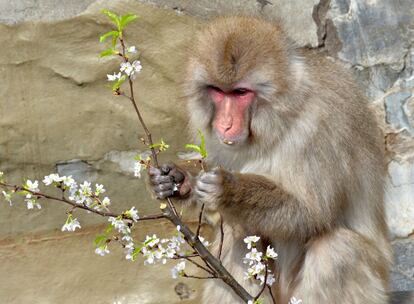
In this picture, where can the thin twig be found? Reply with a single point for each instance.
(200, 216)
(198, 265)
(221, 237)
(271, 294)
(264, 284)
(194, 255)
(197, 277)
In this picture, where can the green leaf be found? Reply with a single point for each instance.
(22, 192)
(109, 229)
(193, 147)
(114, 34)
(114, 40)
(100, 240)
(114, 18)
(203, 150)
(108, 52)
(125, 19)
(136, 252)
(162, 146)
(118, 83)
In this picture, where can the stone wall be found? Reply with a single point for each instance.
(57, 115)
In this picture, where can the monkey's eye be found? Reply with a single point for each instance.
(214, 88)
(240, 91)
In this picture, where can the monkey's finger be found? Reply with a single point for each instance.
(164, 194)
(164, 187)
(205, 187)
(161, 179)
(177, 175)
(166, 168)
(210, 178)
(154, 171)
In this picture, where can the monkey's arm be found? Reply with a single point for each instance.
(259, 202)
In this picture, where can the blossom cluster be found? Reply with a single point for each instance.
(128, 68)
(124, 228)
(30, 198)
(156, 250)
(257, 262)
(82, 194)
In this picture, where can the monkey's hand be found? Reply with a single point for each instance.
(210, 187)
(169, 181)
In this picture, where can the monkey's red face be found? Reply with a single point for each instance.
(231, 115)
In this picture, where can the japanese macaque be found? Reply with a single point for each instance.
(295, 157)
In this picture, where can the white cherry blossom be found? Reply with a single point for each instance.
(68, 181)
(51, 178)
(106, 202)
(251, 241)
(102, 250)
(99, 189)
(132, 49)
(178, 269)
(71, 224)
(32, 186)
(270, 253)
(113, 77)
(8, 197)
(133, 214)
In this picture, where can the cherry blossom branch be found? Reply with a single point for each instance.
(142, 122)
(171, 213)
(74, 205)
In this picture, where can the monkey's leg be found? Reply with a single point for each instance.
(233, 252)
(342, 268)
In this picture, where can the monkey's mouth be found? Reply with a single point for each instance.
(232, 141)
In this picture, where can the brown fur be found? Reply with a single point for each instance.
(310, 176)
